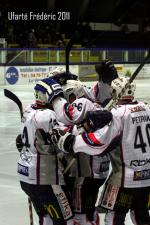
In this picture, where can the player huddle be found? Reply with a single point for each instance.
(68, 127)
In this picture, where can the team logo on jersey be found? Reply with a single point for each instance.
(142, 175)
(25, 157)
(12, 75)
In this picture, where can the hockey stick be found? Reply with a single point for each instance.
(114, 102)
(139, 67)
(74, 38)
(70, 163)
(30, 211)
(15, 99)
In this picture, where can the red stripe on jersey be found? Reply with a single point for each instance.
(96, 90)
(68, 110)
(69, 128)
(90, 139)
(93, 139)
(123, 166)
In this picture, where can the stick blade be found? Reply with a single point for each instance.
(14, 98)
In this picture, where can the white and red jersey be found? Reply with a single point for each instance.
(38, 162)
(130, 130)
(75, 113)
(100, 93)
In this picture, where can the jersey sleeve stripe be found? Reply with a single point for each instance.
(90, 139)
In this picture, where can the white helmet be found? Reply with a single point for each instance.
(73, 88)
(56, 70)
(118, 88)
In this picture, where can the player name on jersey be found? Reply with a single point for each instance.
(140, 119)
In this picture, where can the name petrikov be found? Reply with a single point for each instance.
(140, 119)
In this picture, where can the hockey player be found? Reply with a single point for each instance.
(128, 186)
(72, 110)
(100, 93)
(87, 170)
(38, 163)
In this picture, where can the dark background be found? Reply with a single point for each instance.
(118, 12)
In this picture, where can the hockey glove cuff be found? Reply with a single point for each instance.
(106, 71)
(62, 139)
(62, 78)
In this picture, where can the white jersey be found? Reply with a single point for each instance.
(131, 159)
(100, 93)
(38, 162)
(75, 113)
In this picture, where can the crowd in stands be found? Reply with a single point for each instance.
(33, 34)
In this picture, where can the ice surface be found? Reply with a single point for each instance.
(13, 202)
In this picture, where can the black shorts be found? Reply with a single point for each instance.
(50, 199)
(84, 194)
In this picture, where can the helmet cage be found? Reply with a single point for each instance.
(120, 88)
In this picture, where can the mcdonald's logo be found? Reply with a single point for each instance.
(52, 211)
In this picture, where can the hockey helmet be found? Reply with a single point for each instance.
(56, 70)
(73, 89)
(42, 90)
(120, 88)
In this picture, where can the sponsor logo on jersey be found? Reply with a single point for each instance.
(23, 170)
(104, 166)
(137, 109)
(137, 162)
(12, 75)
(141, 175)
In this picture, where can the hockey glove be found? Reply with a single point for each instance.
(50, 88)
(106, 71)
(62, 78)
(97, 119)
(62, 139)
(19, 143)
